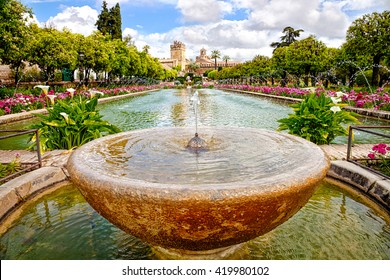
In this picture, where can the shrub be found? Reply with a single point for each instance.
(317, 119)
(7, 169)
(70, 124)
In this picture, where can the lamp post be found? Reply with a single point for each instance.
(81, 69)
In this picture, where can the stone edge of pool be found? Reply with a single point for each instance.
(25, 187)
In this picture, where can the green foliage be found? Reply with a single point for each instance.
(212, 74)
(288, 38)
(317, 119)
(15, 35)
(52, 49)
(110, 21)
(214, 55)
(369, 36)
(7, 169)
(71, 124)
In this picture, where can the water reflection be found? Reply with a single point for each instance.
(172, 108)
(333, 225)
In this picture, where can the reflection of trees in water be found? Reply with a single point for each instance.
(130, 120)
(62, 225)
(178, 114)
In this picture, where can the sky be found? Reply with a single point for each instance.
(240, 29)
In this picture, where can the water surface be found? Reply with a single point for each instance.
(172, 107)
(333, 225)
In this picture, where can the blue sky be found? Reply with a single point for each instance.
(238, 28)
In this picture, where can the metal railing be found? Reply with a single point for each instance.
(29, 165)
(367, 129)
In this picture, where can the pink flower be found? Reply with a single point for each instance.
(371, 155)
(7, 110)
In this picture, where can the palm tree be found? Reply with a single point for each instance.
(146, 49)
(288, 38)
(192, 67)
(226, 58)
(215, 54)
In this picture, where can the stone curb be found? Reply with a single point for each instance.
(373, 185)
(27, 186)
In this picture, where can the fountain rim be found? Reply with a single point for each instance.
(86, 175)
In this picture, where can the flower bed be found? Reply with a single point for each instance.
(23, 102)
(379, 100)
(380, 158)
(279, 91)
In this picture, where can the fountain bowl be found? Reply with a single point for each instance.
(147, 183)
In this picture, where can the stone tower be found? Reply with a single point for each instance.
(178, 51)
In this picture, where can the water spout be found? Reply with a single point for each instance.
(196, 142)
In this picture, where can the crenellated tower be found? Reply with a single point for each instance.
(178, 51)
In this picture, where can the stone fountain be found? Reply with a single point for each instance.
(151, 185)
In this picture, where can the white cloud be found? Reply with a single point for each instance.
(249, 4)
(78, 19)
(203, 10)
(354, 5)
(129, 31)
(31, 19)
(111, 3)
(242, 39)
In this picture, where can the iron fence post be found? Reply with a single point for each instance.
(349, 147)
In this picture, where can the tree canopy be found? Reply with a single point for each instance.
(369, 36)
(289, 37)
(110, 21)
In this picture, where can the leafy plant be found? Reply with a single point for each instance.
(318, 119)
(70, 124)
(7, 169)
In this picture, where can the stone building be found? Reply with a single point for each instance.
(203, 61)
(206, 63)
(178, 56)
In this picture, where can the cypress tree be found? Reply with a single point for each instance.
(115, 22)
(102, 23)
(110, 21)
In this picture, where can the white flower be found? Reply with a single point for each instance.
(335, 100)
(335, 109)
(45, 89)
(52, 97)
(65, 115)
(94, 92)
(340, 94)
(71, 91)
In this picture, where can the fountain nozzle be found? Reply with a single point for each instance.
(197, 143)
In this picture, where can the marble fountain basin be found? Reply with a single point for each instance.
(247, 182)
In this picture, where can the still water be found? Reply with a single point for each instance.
(172, 107)
(332, 225)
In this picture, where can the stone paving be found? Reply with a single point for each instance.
(57, 158)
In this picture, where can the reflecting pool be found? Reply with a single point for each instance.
(333, 225)
(172, 107)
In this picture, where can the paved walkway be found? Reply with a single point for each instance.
(339, 151)
(56, 158)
